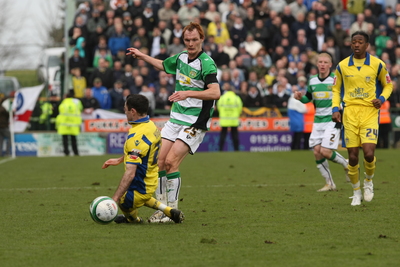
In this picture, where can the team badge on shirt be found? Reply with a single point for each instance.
(134, 154)
(367, 79)
(192, 74)
(137, 142)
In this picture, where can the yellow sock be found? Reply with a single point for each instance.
(157, 205)
(369, 169)
(354, 174)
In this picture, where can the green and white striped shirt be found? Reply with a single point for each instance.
(320, 92)
(191, 75)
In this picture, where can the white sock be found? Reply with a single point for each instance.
(161, 192)
(340, 159)
(173, 188)
(325, 172)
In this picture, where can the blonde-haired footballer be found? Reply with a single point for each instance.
(362, 84)
(325, 135)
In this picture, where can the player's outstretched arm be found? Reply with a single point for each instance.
(113, 162)
(134, 52)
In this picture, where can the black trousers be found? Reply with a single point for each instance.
(66, 144)
(234, 135)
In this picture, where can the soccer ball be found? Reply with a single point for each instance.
(103, 210)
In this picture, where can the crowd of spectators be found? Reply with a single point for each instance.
(264, 49)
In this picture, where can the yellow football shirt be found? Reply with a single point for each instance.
(141, 147)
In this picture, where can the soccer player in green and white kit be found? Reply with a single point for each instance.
(325, 134)
(196, 89)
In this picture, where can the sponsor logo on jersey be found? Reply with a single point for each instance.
(359, 93)
(388, 80)
(183, 79)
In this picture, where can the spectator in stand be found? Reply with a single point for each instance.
(188, 12)
(78, 23)
(287, 17)
(262, 10)
(270, 77)
(219, 30)
(383, 17)
(252, 47)
(260, 68)
(136, 9)
(281, 98)
(118, 71)
(162, 101)
(104, 73)
(380, 41)
(240, 65)
(166, 12)
(284, 33)
(155, 42)
(78, 83)
(297, 6)
(177, 30)
(110, 14)
(346, 50)
(277, 5)
(230, 49)
(250, 19)
(176, 46)
(212, 12)
(238, 32)
(369, 17)
(261, 34)
(253, 79)
(150, 19)
(96, 21)
(243, 91)
(76, 61)
(299, 24)
(120, 8)
(375, 8)
(137, 86)
(83, 11)
(127, 21)
(312, 24)
(253, 98)
(125, 94)
(118, 40)
(101, 94)
(116, 94)
(220, 57)
(278, 54)
(391, 27)
(339, 34)
(164, 81)
(318, 39)
(359, 25)
(166, 33)
(104, 54)
(141, 35)
(145, 91)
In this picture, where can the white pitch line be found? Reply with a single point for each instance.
(6, 160)
(188, 186)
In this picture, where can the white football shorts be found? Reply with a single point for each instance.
(189, 135)
(327, 136)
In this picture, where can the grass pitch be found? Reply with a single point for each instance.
(242, 209)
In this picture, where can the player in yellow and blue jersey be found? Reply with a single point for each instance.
(361, 84)
(140, 179)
